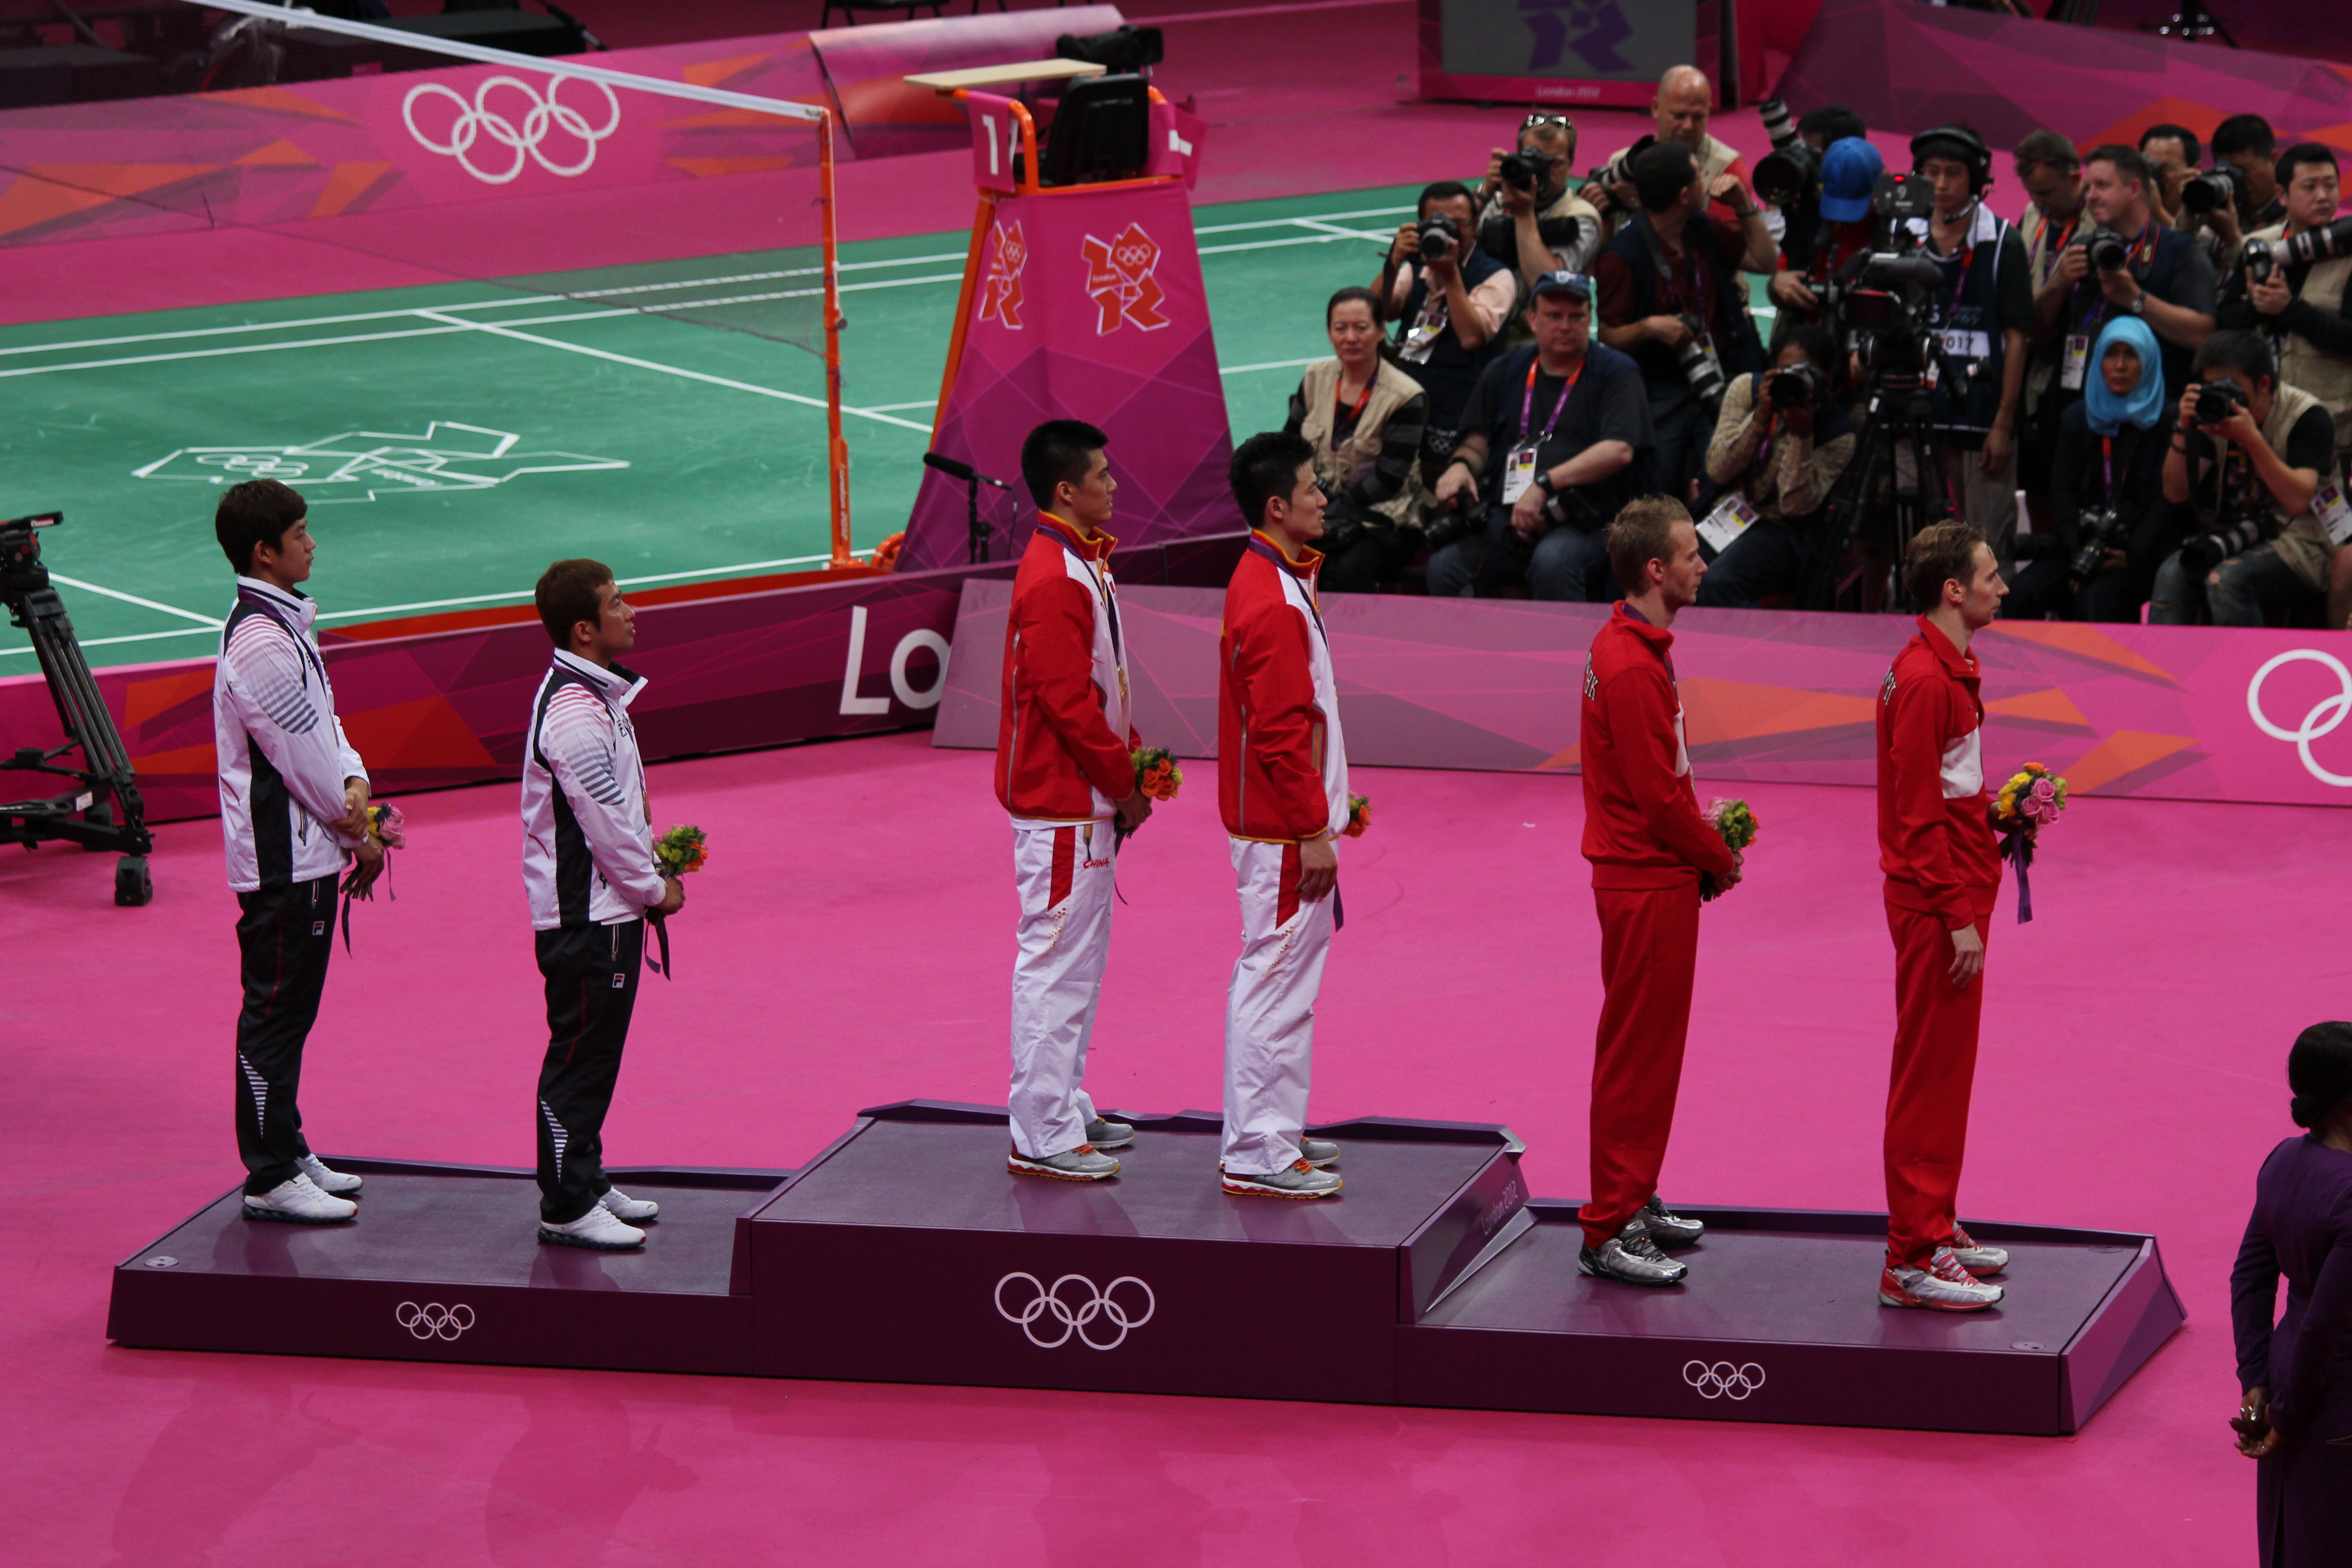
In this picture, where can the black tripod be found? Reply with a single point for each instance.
(1898, 418)
(101, 809)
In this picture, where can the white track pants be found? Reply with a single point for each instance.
(1063, 875)
(1270, 1009)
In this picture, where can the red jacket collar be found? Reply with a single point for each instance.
(1962, 664)
(1098, 547)
(1303, 568)
(1633, 620)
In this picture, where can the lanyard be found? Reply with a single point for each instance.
(2108, 462)
(2144, 243)
(1101, 581)
(2050, 253)
(1258, 546)
(1349, 417)
(1528, 400)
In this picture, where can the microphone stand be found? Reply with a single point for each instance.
(976, 536)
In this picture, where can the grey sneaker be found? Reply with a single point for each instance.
(1943, 1285)
(1631, 1256)
(1301, 1181)
(1317, 1153)
(1669, 1229)
(334, 1183)
(1975, 1256)
(1104, 1134)
(622, 1206)
(599, 1230)
(1078, 1165)
(299, 1200)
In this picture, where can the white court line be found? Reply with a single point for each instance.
(136, 636)
(1269, 364)
(135, 599)
(893, 407)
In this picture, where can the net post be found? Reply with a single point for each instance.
(836, 449)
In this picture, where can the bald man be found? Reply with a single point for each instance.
(1685, 101)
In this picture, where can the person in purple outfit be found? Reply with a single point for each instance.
(2296, 1418)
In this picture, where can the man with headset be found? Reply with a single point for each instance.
(1984, 307)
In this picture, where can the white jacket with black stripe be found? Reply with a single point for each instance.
(283, 755)
(587, 842)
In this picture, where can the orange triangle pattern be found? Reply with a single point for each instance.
(2049, 706)
(2125, 751)
(282, 101)
(710, 73)
(28, 202)
(1716, 710)
(118, 179)
(143, 700)
(183, 761)
(1573, 757)
(280, 153)
(426, 733)
(2198, 117)
(713, 168)
(346, 184)
(2081, 639)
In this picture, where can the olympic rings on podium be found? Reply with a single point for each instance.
(477, 119)
(1723, 1380)
(1075, 1316)
(434, 1321)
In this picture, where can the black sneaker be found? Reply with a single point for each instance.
(1631, 1257)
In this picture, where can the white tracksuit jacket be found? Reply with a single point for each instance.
(283, 756)
(587, 842)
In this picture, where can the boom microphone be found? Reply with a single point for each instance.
(955, 469)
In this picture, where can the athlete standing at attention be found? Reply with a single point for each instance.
(1066, 773)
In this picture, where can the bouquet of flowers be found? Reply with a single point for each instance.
(387, 827)
(1157, 775)
(387, 830)
(2033, 796)
(1735, 823)
(681, 849)
(1359, 815)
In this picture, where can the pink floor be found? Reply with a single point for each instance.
(849, 946)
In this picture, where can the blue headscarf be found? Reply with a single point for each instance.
(2145, 405)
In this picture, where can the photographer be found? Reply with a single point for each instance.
(1685, 101)
(2244, 472)
(1781, 443)
(1842, 227)
(2172, 150)
(2294, 293)
(1787, 180)
(2244, 152)
(1671, 296)
(1450, 302)
(2053, 177)
(1529, 219)
(2098, 559)
(1551, 446)
(1365, 418)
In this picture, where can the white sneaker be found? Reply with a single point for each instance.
(336, 1182)
(1301, 1181)
(1974, 1256)
(1943, 1285)
(296, 1199)
(597, 1230)
(622, 1206)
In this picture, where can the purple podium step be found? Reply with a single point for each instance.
(1780, 1320)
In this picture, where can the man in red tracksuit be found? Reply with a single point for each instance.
(1649, 846)
(1066, 773)
(1943, 869)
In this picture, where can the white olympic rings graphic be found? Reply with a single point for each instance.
(433, 1320)
(477, 119)
(1074, 1320)
(1723, 1380)
(2323, 718)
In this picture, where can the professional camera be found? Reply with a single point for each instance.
(1788, 173)
(1797, 385)
(2217, 400)
(2210, 190)
(2259, 260)
(2102, 531)
(2109, 251)
(1439, 237)
(1457, 519)
(1617, 174)
(1527, 170)
(2317, 244)
(1700, 366)
(2206, 551)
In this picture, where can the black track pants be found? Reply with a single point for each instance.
(591, 989)
(284, 937)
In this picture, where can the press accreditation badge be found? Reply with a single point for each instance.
(2335, 513)
(1519, 473)
(1731, 518)
(2077, 359)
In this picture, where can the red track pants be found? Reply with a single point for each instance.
(1927, 1095)
(1649, 953)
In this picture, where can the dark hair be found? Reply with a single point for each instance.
(2127, 163)
(566, 596)
(2193, 151)
(1642, 533)
(2245, 133)
(2303, 153)
(2319, 1070)
(1058, 452)
(1662, 172)
(2249, 352)
(1357, 293)
(1814, 337)
(1442, 190)
(2047, 147)
(1265, 468)
(1945, 552)
(1832, 122)
(257, 512)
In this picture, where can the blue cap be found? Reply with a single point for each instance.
(1850, 172)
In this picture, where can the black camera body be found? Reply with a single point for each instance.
(2217, 400)
(1440, 236)
(2259, 260)
(1526, 170)
(2210, 190)
(1796, 385)
(2102, 531)
(2202, 552)
(21, 571)
(2109, 251)
(1606, 175)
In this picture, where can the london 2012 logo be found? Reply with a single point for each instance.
(1119, 280)
(512, 125)
(1000, 286)
(1071, 1307)
(2324, 718)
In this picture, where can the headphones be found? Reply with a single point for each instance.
(1970, 147)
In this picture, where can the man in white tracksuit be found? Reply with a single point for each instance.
(294, 799)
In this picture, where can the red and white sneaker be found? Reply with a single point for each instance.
(1974, 1257)
(1942, 1285)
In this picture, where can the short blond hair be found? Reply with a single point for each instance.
(1644, 533)
(1945, 552)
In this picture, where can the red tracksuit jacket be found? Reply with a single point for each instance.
(1282, 767)
(1935, 831)
(1059, 752)
(1641, 826)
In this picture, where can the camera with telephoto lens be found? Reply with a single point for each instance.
(2108, 250)
(2102, 531)
(1611, 174)
(1526, 170)
(2206, 551)
(2210, 190)
(1457, 519)
(2217, 400)
(1439, 237)
(1796, 385)
(1701, 368)
(1790, 170)
(2317, 244)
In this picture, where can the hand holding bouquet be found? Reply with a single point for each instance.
(1157, 775)
(386, 827)
(1359, 815)
(1735, 824)
(2032, 797)
(681, 849)
(387, 831)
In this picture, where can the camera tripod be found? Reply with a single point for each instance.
(1898, 419)
(100, 810)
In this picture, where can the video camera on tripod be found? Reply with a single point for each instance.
(1882, 302)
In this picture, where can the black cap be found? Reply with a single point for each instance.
(1574, 285)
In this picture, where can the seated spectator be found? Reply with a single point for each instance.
(1538, 227)
(2300, 307)
(1551, 443)
(1364, 417)
(1669, 280)
(2106, 489)
(1685, 101)
(2244, 483)
(1844, 227)
(2173, 151)
(2053, 177)
(1450, 310)
(1777, 465)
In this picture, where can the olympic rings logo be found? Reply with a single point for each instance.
(1075, 1316)
(2325, 716)
(1723, 1380)
(434, 1321)
(479, 119)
